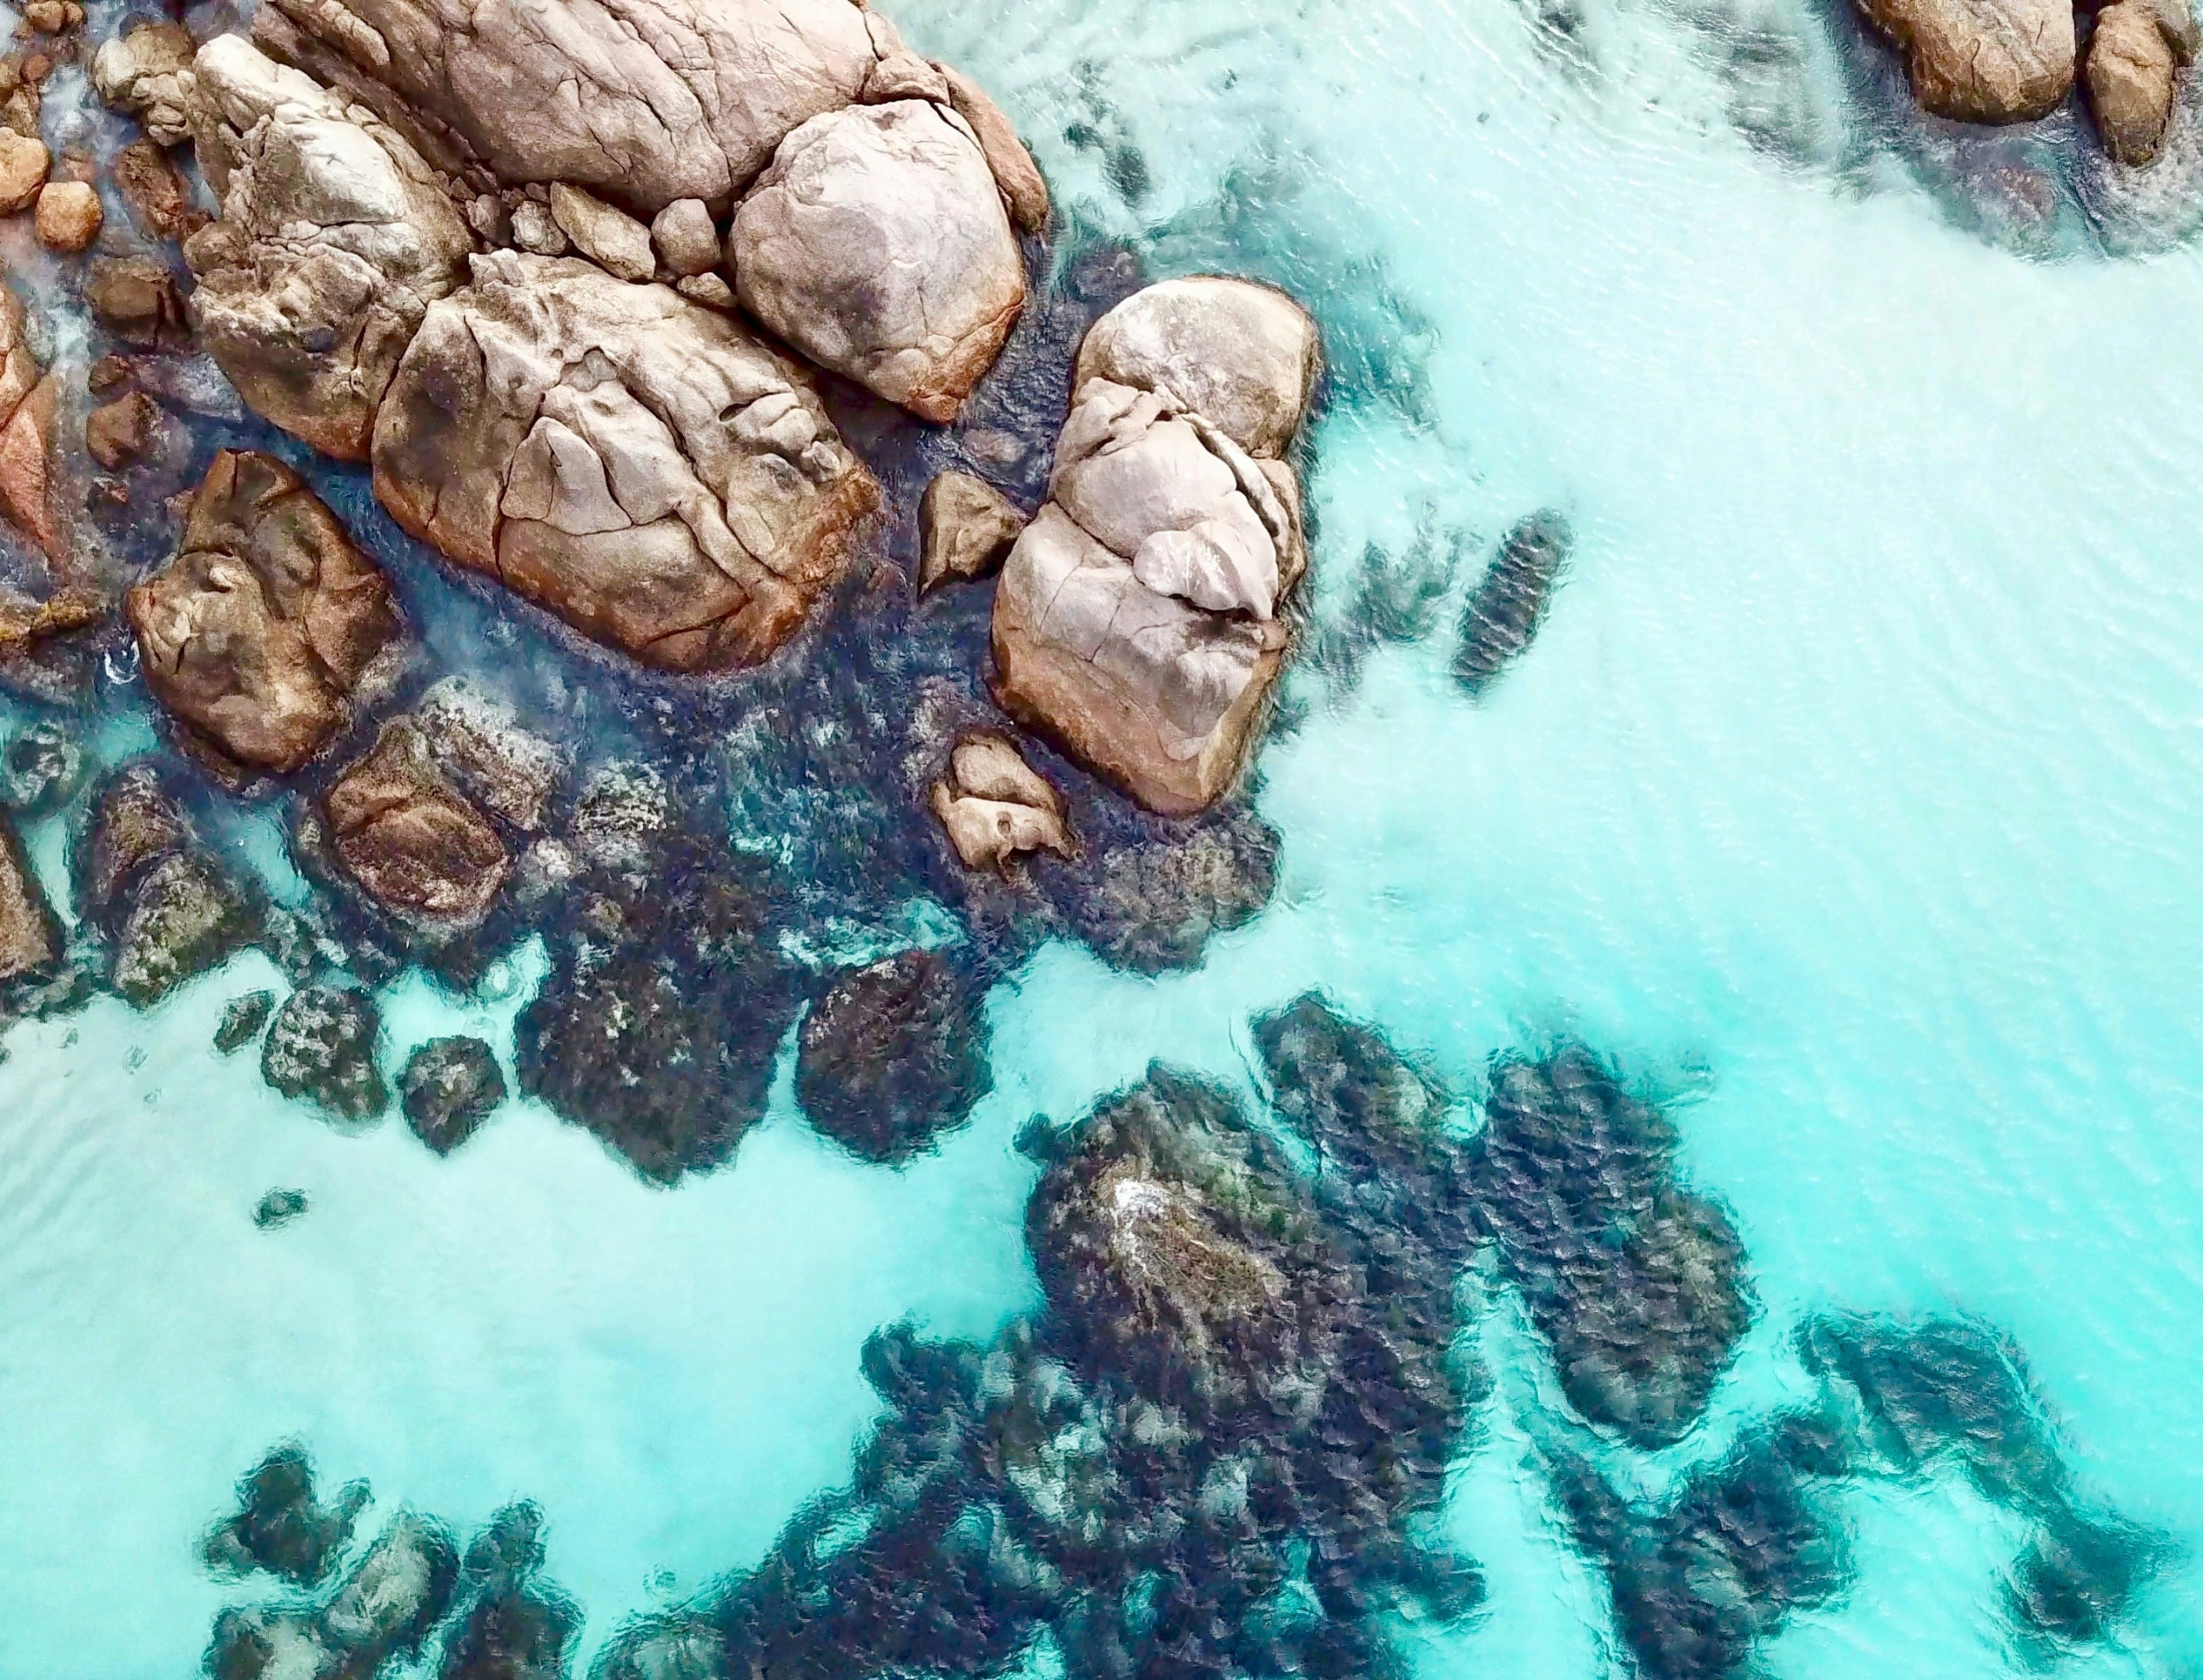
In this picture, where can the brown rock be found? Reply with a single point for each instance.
(409, 839)
(966, 526)
(2133, 66)
(994, 806)
(258, 632)
(47, 17)
(135, 298)
(27, 938)
(107, 372)
(1018, 178)
(118, 432)
(23, 163)
(27, 466)
(1982, 60)
(610, 238)
(69, 215)
(156, 194)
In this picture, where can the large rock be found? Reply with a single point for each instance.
(410, 839)
(335, 237)
(27, 925)
(878, 245)
(2134, 58)
(644, 101)
(893, 1055)
(321, 1050)
(1137, 617)
(646, 469)
(257, 632)
(1982, 60)
(29, 413)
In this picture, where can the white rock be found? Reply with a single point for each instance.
(610, 238)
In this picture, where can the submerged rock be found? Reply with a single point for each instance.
(168, 910)
(260, 631)
(449, 1087)
(906, 185)
(894, 1056)
(477, 743)
(1151, 904)
(996, 807)
(384, 1611)
(1982, 60)
(41, 769)
(2076, 1582)
(280, 1525)
(29, 939)
(644, 468)
(1509, 603)
(966, 526)
(277, 1209)
(335, 237)
(410, 840)
(517, 1627)
(242, 1018)
(1136, 619)
(321, 1050)
(1635, 1280)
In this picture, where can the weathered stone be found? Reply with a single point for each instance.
(996, 807)
(686, 239)
(1024, 192)
(893, 1055)
(259, 631)
(334, 239)
(142, 71)
(242, 1018)
(156, 193)
(135, 299)
(966, 527)
(29, 411)
(117, 434)
(281, 1525)
(24, 162)
(2133, 66)
(410, 839)
(710, 290)
(479, 744)
(321, 1049)
(449, 1087)
(611, 239)
(903, 193)
(69, 216)
(28, 940)
(647, 470)
(1982, 60)
(41, 769)
(534, 230)
(1136, 619)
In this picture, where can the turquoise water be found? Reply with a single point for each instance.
(1850, 796)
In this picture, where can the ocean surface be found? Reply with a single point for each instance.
(1851, 796)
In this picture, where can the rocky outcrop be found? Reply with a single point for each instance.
(321, 1050)
(144, 71)
(1982, 60)
(28, 940)
(894, 1056)
(966, 527)
(257, 635)
(1135, 620)
(996, 807)
(449, 1087)
(410, 840)
(644, 468)
(903, 191)
(2135, 54)
(335, 237)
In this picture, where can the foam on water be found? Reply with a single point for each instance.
(1848, 794)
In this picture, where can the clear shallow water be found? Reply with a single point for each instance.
(1850, 795)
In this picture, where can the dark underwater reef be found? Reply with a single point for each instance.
(1220, 1447)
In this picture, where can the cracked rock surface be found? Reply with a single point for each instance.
(1137, 618)
(644, 468)
(416, 844)
(878, 245)
(257, 635)
(335, 237)
(1982, 60)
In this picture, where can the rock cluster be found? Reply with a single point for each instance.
(280, 1525)
(893, 1055)
(255, 636)
(383, 1611)
(1137, 618)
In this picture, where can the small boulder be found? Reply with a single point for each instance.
(69, 216)
(119, 433)
(280, 1525)
(966, 527)
(157, 194)
(1017, 177)
(186, 918)
(242, 1018)
(410, 839)
(24, 164)
(449, 1087)
(277, 1209)
(1982, 60)
(41, 769)
(996, 807)
(321, 1049)
(686, 239)
(143, 71)
(904, 190)
(2134, 56)
(257, 633)
(710, 290)
(135, 298)
(611, 239)
(894, 1056)
(28, 940)
(1509, 603)
(535, 231)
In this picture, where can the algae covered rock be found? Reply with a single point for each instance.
(449, 1087)
(1509, 601)
(280, 1525)
(168, 910)
(894, 1056)
(321, 1049)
